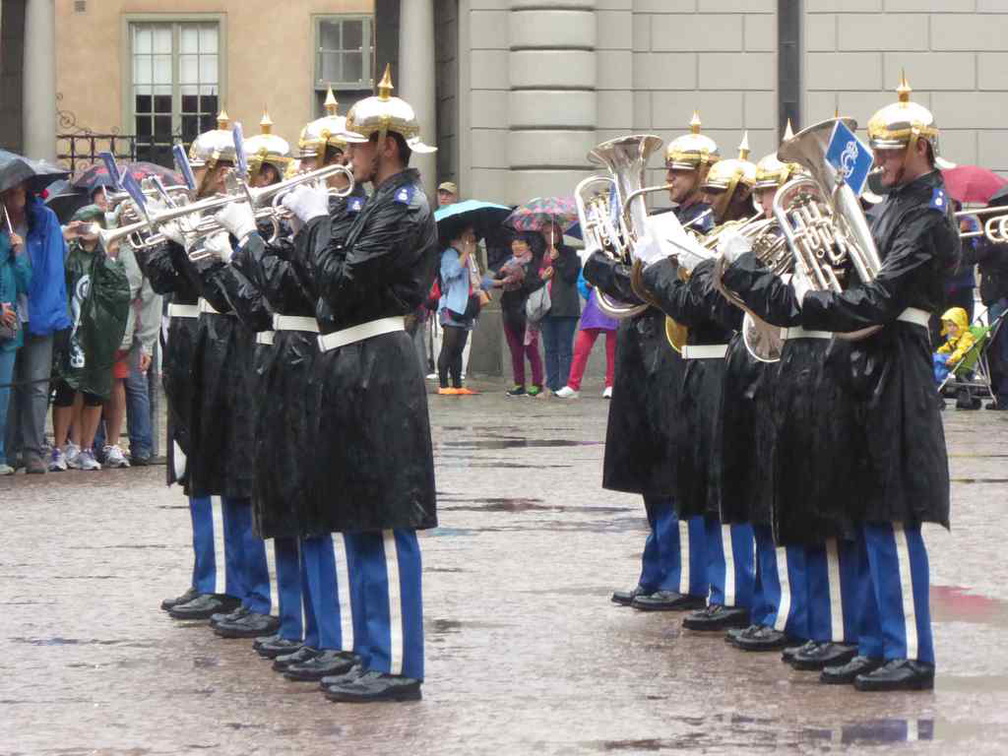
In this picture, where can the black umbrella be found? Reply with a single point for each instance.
(38, 174)
(1000, 197)
(64, 200)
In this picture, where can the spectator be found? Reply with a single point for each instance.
(98, 309)
(139, 418)
(992, 263)
(447, 193)
(458, 308)
(561, 266)
(593, 322)
(43, 312)
(517, 277)
(15, 278)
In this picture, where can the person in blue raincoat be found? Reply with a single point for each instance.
(15, 278)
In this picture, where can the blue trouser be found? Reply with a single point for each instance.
(558, 347)
(328, 594)
(138, 409)
(833, 591)
(663, 566)
(385, 577)
(246, 556)
(7, 358)
(287, 560)
(898, 565)
(779, 596)
(730, 569)
(213, 572)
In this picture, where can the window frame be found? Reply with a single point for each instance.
(367, 54)
(128, 119)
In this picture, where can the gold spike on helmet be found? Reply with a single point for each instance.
(328, 131)
(382, 113)
(903, 122)
(725, 175)
(771, 172)
(691, 151)
(267, 147)
(216, 144)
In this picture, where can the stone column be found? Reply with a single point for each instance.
(552, 101)
(39, 110)
(416, 79)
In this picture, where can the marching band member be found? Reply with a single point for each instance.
(712, 321)
(639, 451)
(374, 460)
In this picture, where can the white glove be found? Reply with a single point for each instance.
(172, 230)
(801, 286)
(218, 245)
(648, 250)
(238, 218)
(307, 202)
(732, 246)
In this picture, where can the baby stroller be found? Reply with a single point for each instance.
(969, 382)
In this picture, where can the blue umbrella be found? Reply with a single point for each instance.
(484, 217)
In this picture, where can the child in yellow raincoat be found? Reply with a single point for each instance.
(958, 341)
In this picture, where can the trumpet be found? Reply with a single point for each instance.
(994, 229)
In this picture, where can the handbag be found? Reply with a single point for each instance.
(538, 304)
(471, 311)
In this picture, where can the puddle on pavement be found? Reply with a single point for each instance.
(522, 505)
(56, 641)
(517, 443)
(953, 603)
(450, 626)
(979, 480)
(616, 525)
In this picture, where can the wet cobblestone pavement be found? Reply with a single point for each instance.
(525, 653)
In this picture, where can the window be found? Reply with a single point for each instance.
(343, 52)
(175, 84)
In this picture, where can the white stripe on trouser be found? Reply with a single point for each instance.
(343, 591)
(684, 557)
(784, 605)
(178, 460)
(906, 589)
(270, 544)
(835, 594)
(729, 563)
(220, 555)
(395, 603)
(913, 731)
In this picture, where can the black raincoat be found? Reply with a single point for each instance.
(891, 371)
(160, 265)
(815, 465)
(373, 457)
(711, 319)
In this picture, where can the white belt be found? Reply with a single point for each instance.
(208, 309)
(264, 337)
(295, 323)
(704, 351)
(800, 333)
(182, 311)
(916, 316)
(368, 330)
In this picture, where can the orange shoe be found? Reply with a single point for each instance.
(466, 392)
(447, 391)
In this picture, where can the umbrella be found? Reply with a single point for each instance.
(38, 174)
(536, 213)
(971, 183)
(484, 217)
(64, 200)
(97, 175)
(1000, 197)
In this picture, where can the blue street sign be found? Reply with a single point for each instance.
(850, 157)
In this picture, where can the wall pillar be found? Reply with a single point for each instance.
(39, 79)
(416, 79)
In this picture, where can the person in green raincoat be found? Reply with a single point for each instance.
(98, 298)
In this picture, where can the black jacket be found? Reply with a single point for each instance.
(373, 455)
(565, 302)
(992, 262)
(891, 372)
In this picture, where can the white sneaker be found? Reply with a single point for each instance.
(6, 469)
(432, 376)
(568, 393)
(114, 457)
(607, 394)
(86, 461)
(57, 460)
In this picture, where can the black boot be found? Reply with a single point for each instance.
(185, 598)
(326, 664)
(357, 670)
(274, 646)
(375, 686)
(824, 655)
(203, 607)
(898, 674)
(303, 654)
(789, 651)
(846, 674)
(233, 616)
(762, 639)
(252, 625)
(717, 617)
(625, 598)
(666, 601)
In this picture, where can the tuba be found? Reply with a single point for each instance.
(611, 208)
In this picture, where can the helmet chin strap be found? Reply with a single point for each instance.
(911, 145)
